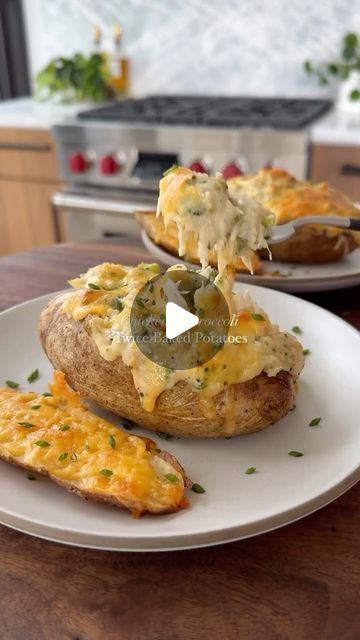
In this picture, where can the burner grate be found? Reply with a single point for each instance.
(205, 111)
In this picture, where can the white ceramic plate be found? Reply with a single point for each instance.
(235, 505)
(295, 277)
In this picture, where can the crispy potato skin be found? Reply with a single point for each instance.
(308, 246)
(257, 403)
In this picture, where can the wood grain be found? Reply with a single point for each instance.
(299, 582)
(327, 162)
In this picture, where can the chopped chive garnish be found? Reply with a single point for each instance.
(170, 169)
(171, 477)
(306, 352)
(118, 305)
(314, 422)
(47, 394)
(92, 285)
(64, 427)
(250, 470)
(28, 425)
(33, 375)
(42, 443)
(112, 441)
(30, 476)
(63, 456)
(35, 406)
(197, 488)
(258, 316)
(140, 302)
(295, 454)
(106, 472)
(164, 436)
(12, 385)
(296, 329)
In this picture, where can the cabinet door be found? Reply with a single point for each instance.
(337, 165)
(25, 215)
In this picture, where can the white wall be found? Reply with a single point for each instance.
(200, 46)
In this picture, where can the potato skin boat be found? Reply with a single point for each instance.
(255, 404)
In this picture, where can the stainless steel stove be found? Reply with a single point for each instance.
(114, 156)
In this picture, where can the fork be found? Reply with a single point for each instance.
(281, 232)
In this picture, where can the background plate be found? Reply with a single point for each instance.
(296, 277)
(235, 505)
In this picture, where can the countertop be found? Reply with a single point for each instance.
(300, 581)
(334, 128)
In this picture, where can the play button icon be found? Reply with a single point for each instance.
(178, 320)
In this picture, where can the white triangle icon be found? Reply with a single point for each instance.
(178, 320)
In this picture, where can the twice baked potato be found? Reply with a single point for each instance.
(288, 199)
(243, 388)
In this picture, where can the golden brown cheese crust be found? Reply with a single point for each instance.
(180, 411)
(290, 199)
(154, 227)
(59, 437)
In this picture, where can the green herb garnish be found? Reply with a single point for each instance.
(106, 472)
(295, 454)
(30, 476)
(170, 170)
(64, 427)
(92, 285)
(163, 435)
(140, 302)
(306, 352)
(171, 477)
(314, 422)
(112, 441)
(35, 406)
(197, 488)
(28, 425)
(250, 470)
(12, 385)
(63, 456)
(296, 329)
(258, 316)
(47, 394)
(42, 443)
(118, 305)
(33, 375)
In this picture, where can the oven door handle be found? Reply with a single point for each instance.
(61, 200)
(73, 201)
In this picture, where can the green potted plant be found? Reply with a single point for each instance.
(345, 68)
(75, 79)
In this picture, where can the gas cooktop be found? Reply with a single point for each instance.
(202, 111)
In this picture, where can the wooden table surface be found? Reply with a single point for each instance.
(301, 582)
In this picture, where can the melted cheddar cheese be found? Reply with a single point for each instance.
(202, 208)
(289, 199)
(107, 309)
(59, 436)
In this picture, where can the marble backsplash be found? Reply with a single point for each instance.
(200, 46)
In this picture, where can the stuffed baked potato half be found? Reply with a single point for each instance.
(244, 388)
(289, 199)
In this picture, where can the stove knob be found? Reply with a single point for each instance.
(197, 166)
(231, 170)
(109, 165)
(78, 163)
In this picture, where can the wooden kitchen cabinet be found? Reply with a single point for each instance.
(338, 165)
(28, 178)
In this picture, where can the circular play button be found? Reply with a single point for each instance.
(180, 319)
